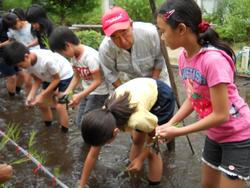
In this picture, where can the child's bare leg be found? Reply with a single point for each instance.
(230, 183)
(11, 84)
(47, 115)
(63, 115)
(155, 168)
(208, 174)
(138, 139)
(20, 78)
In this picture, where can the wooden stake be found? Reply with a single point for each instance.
(170, 73)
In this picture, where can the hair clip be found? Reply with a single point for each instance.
(203, 26)
(166, 15)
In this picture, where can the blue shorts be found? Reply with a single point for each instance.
(6, 70)
(165, 104)
(231, 158)
(62, 86)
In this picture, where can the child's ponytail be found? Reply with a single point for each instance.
(120, 108)
(208, 36)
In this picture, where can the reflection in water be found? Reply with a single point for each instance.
(67, 151)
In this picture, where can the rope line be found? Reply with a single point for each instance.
(34, 160)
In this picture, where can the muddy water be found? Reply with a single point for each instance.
(66, 152)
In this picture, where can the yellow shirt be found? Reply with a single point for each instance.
(143, 93)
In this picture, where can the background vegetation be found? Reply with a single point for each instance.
(90, 37)
(232, 20)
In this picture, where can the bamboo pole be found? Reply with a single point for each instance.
(169, 68)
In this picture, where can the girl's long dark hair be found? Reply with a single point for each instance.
(37, 14)
(189, 13)
(19, 12)
(98, 125)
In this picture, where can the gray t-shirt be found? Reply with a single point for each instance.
(145, 55)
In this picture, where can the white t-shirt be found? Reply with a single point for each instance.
(23, 35)
(48, 64)
(88, 64)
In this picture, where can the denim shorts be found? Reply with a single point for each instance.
(165, 103)
(62, 86)
(91, 102)
(6, 70)
(231, 158)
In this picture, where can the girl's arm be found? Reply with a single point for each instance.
(89, 165)
(32, 43)
(185, 110)
(74, 82)
(2, 44)
(180, 115)
(34, 87)
(220, 114)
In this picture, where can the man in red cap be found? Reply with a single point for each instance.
(130, 47)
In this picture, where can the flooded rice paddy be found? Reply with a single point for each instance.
(65, 153)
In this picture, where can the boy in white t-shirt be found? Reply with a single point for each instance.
(86, 65)
(51, 70)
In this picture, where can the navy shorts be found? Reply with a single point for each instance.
(62, 86)
(165, 104)
(6, 70)
(231, 158)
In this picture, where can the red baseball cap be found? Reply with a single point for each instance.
(115, 19)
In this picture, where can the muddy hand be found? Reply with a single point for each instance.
(135, 165)
(63, 99)
(155, 145)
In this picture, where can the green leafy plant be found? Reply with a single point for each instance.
(62, 10)
(138, 10)
(3, 186)
(90, 38)
(46, 42)
(57, 171)
(9, 4)
(232, 20)
(13, 132)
